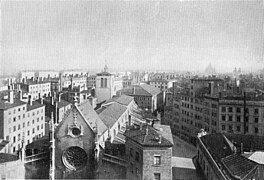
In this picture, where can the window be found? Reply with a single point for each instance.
(131, 152)
(41, 126)
(33, 131)
(156, 176)
(18, 127)
(14, 128)
(23, 115)
(223, 118)
(28, 123)
(33, 121)
(238, 118)
(223, 109)
(14, 149)
(230, 128)
(256, 111)
(230, 109)
(256, 120)
(14, 139)
(238, 110)
(238, 128)
(19, 117)
(137, 156)
(23, 124)
(28, 133)
(37, 119)
(137, 172)
(156, 159)
(132, 168)
(18, 109)
(246, 129)
(223, 127)
(37, 127)
(14, 119)
(230, 118)
(256, 130)
(18, 137)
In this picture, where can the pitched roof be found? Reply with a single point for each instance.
(257, 157)
(239, 166)
(111, 114)
(123, 99)
(35, 105)
(148, 136)
(92, 117)
(141, 90)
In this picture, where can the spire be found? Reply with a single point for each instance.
(105, 68)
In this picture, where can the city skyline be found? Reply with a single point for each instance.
(179, 35)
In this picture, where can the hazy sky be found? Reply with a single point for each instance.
(173, 35)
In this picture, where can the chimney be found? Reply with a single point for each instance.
(160, 136)
(52, 100)
(9, 82)
(11, 96)
(59, 99)
(30, 100)
(18, 87)
(41, 100)
(134, 90)
(20, 95)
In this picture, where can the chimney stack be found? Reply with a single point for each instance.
(160, 135)
(59, 99)
(52, 100)
(20, 95)
(11, 96)
(134, 90)
(30, 100)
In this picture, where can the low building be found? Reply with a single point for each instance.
(223, 157)
(149, 152)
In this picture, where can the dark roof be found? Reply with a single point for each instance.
(250, 142)
(232, 165)
(148, 136)
(217, 146)
(41, 143)
(30, 82)
(3, 143)
(6, 105)
(4, 157)
(92, 117)
(141, 90)
(111, 114)
(239, 166)
(35, 105)
(61, 104)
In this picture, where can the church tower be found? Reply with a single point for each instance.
(75, 147)
(104, 85)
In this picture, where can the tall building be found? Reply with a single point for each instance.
(19, 119)
(149, 152)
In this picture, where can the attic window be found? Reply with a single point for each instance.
(76, 131)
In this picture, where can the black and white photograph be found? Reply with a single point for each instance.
(132, 89)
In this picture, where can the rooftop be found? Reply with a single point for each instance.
(112, 113)
(148, 136)
(35, 105)
(141, 90)
(92, 117)
(123, 99)
(6, 105)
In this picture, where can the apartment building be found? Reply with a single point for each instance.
(20, 119)
(36, 88)
(162, 84)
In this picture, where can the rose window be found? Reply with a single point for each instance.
(74, 158)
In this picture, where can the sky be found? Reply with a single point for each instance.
(146, 35)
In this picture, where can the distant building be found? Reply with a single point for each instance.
(91, 81)
(149, 152)
(47, 74)
(36, 88)
(162, 84)
(223, 157)
(146, 96)
(20, 119)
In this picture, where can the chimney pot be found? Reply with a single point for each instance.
(30, 100)
(11, 96)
